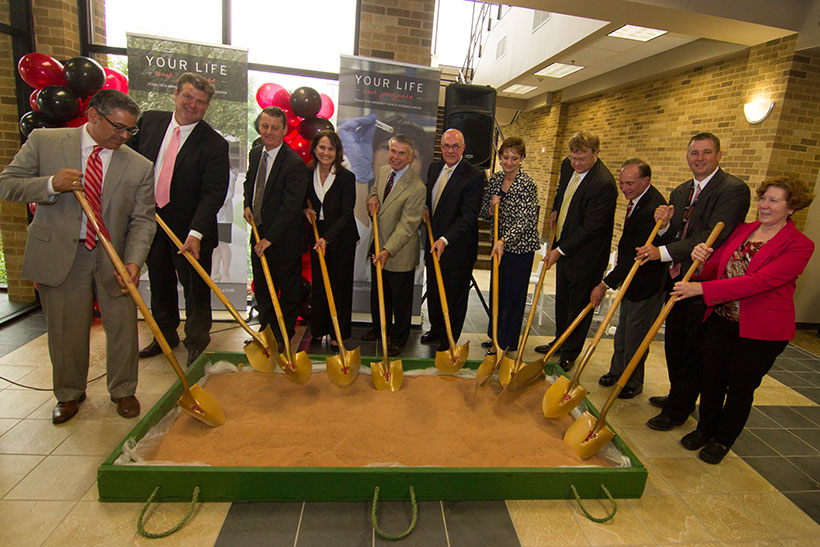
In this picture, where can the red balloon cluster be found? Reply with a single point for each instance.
(62, 91)
(307, 112)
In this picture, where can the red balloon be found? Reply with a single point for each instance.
(265, 93)
(32, 206)
(292, 135)
(39, 70)
(77, 122)
(327, 109)
(293, 120)
(32, 99)
(281, 99)
(114, 79)
(301, 146)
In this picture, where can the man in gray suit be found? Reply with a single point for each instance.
(397, 198)
(63, 255)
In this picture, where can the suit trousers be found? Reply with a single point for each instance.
(634, 321)
(286, 273)
(457, 289)
(69, 310)
(339, 259)
(572, 289)
(398, 304)
(733, 368)
(513, 285)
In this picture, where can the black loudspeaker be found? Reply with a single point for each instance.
(471, 110)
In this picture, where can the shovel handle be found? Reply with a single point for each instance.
(495, 283)
(210, 282)
(384, 364)
(445, 309)
(133, 291)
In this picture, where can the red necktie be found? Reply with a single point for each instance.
(628, 211)
(389, 184)
(93, 190)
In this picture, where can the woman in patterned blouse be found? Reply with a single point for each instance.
(517, 196)
(749, 285)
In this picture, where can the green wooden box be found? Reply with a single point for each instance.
(136, 482)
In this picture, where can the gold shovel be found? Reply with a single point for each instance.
(386, 374)
(491, 361)
(262, 350)
(194, 400)
(563, 395)
(587, 435)
(453, 359)
(342, 369)
(296, 367)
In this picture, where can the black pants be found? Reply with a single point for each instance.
(165, 267)
(339, 261)
(733, 368)
(398, 304)
(457, 288)
(513, 285)
(286, 273)
(572, 290)
(683, 346)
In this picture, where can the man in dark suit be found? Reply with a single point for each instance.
(583, 217)
(642, 301)
(711, 196)
(191, 180)
(454, 191)
(275, 188)
(63, 254)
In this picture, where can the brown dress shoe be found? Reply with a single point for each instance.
(127, 407)
(66, 410)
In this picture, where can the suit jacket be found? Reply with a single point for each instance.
(587, 233)
(399, 218)
(726, 198)
(766, 293)
(200, 180)
(282, 202)
(650, 277)
(456, 217)
(127, 206)
(339, 225)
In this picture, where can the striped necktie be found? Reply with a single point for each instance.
(93, 192)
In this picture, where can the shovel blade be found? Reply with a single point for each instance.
(583, 437)
(525, 375)
(298, 370)
(260, 358)
(486, 369)
(343, 371)
(387, 377)
(559, 400)
(505, 369)
(201, 405)
(451, 364)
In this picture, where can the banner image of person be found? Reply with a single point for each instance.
(154, 64)
(379, 99)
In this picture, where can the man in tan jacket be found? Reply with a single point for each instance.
(397, 198)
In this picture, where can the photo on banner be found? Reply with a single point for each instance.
(154, 65)
(379, 99)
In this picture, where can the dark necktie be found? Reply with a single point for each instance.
(628, 211)
(259, 188)
(389, 185)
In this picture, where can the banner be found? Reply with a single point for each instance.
(379, 99)
(154, 64)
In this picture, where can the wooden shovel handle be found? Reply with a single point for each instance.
(445, 309)
(495, 282)
(275, 299)
(379, 286)
(331, 303)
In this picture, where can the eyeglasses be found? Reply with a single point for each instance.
(450, 146)
(120, 128)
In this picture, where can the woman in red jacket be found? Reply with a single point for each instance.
(748, 286)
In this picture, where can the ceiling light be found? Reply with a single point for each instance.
(633, 32)
(519, 89)
(757, 111)
(558, 70)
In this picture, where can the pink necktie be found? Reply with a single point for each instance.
(164, 181)
(93, 190)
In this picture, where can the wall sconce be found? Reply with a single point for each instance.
(757, 111)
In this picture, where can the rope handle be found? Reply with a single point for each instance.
(375, 519)
(586, 513)
(175, 528)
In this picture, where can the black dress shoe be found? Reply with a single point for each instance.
(629, 392)
(694, 440)
(662, 422)
(370, 336)
(659, 401)
(443, 346)
(545, 348)
(566, 364)
(154, 348)
(429, 337)
(490, 351)
(713, 452)
(193, 353)
(607, 379)
(487, 344)
(393, 350)
(66, 410)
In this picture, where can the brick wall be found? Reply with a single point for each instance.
(399, 31)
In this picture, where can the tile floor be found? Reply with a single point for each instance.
(766, 492)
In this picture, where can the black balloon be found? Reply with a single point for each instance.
(84, 76)
(34, 120)
(310, 126)
(58, 103)
(305, 102)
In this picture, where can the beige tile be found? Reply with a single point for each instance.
(692, 476)
(35, 437)
(724, 516)
(800, 542)
(545, 522)
(38, 377)
(7, 423)
(30, 522)
(780, 516)
(669, 520)
(31, 354)
(656, 485)
(736, 476)
(13, 468)
(656, 444)
(753, 543)
(19, 403)
(58, 478)
(624, 529)
(780, 396)
(95, 437)
(98, 524)
(13, 373)
(202, 529)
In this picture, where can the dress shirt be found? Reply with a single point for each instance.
(321, 189)
(665, 256)
(184, 133)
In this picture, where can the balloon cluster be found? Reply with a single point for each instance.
(62, 90)
(307, 112)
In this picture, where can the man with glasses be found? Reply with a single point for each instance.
(191, 173)
(454, 191)
(63, 254)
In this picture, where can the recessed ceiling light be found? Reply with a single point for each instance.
(519, 89)
(633, 32)
(558, 70)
